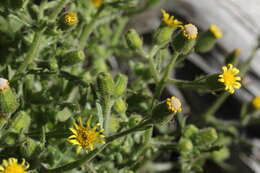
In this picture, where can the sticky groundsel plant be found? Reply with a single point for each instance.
(66, 107)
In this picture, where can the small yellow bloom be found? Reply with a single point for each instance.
(214, 29)
(12, 166)
(170, 21)
(190, 31)
(71, 18)
(256, 102)
(229, 78)
(85, 137)
(97, 3)
(174, 104)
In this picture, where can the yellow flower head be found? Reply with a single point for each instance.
(190, 31)
(256, 102)
(97, 3)
(12, 166)
(85, 137)
(229, 78)
(71, 18)
(173, 104)
(214, 29)
(4, 84)
(170, 21)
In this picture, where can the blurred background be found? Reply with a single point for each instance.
(239, 22)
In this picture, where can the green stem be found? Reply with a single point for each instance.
(94, 23)
(215, 106)
(106, 114)
(245, 66)
(187, 84)
(166, 75)
(79, 162)
(32, 52)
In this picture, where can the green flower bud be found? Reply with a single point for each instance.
(21, 121)
(233, 57)
(10, 138)
(134, 120)
(120, 106)
(221, 155)
(120, 84)
(190, 130)
(205, 137)
(133, 40)
(113, 125)
(208, 40)
(30, 147)
(212, 82)
(73, 57)
(185, 145)
(163, 35)
(165, 110)
(185, 40)
(8, 99)
(105, 84)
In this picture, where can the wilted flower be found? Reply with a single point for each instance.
(174, 104)
(70, 18)
(190, 31)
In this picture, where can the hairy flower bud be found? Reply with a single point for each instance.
(205, 137)
(120, 84)
(73, 57)
(233, 57)
(165, 110)
(185, 145)
(185, 41)
(163, 35)
(120, 105)
(8, 99)
(30, 147)
(21, 121)
(190, 130)
(105, 84)
(133, 40)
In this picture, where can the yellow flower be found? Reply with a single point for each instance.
(256, 102)
(71, 18)
(85, 137)
(229, 78)
(214, 29)
(97, 3)
(170, 21)
(12, 166)
(190, 31)
(173, 104)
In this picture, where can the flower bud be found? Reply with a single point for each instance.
(165, 110)
(68, 20)
(8, 99)
(105, 84)
(120, 106)
(10, 138)
(185, 40)
(21, 121)
(163, 35)
(205, 137)
(208, 40)
(190, 130)
(73, 57)
(133, 40)
(185, 145)
(30, 147)
(233, 57)
(221, 155)
(120, 84)
(134, 120)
